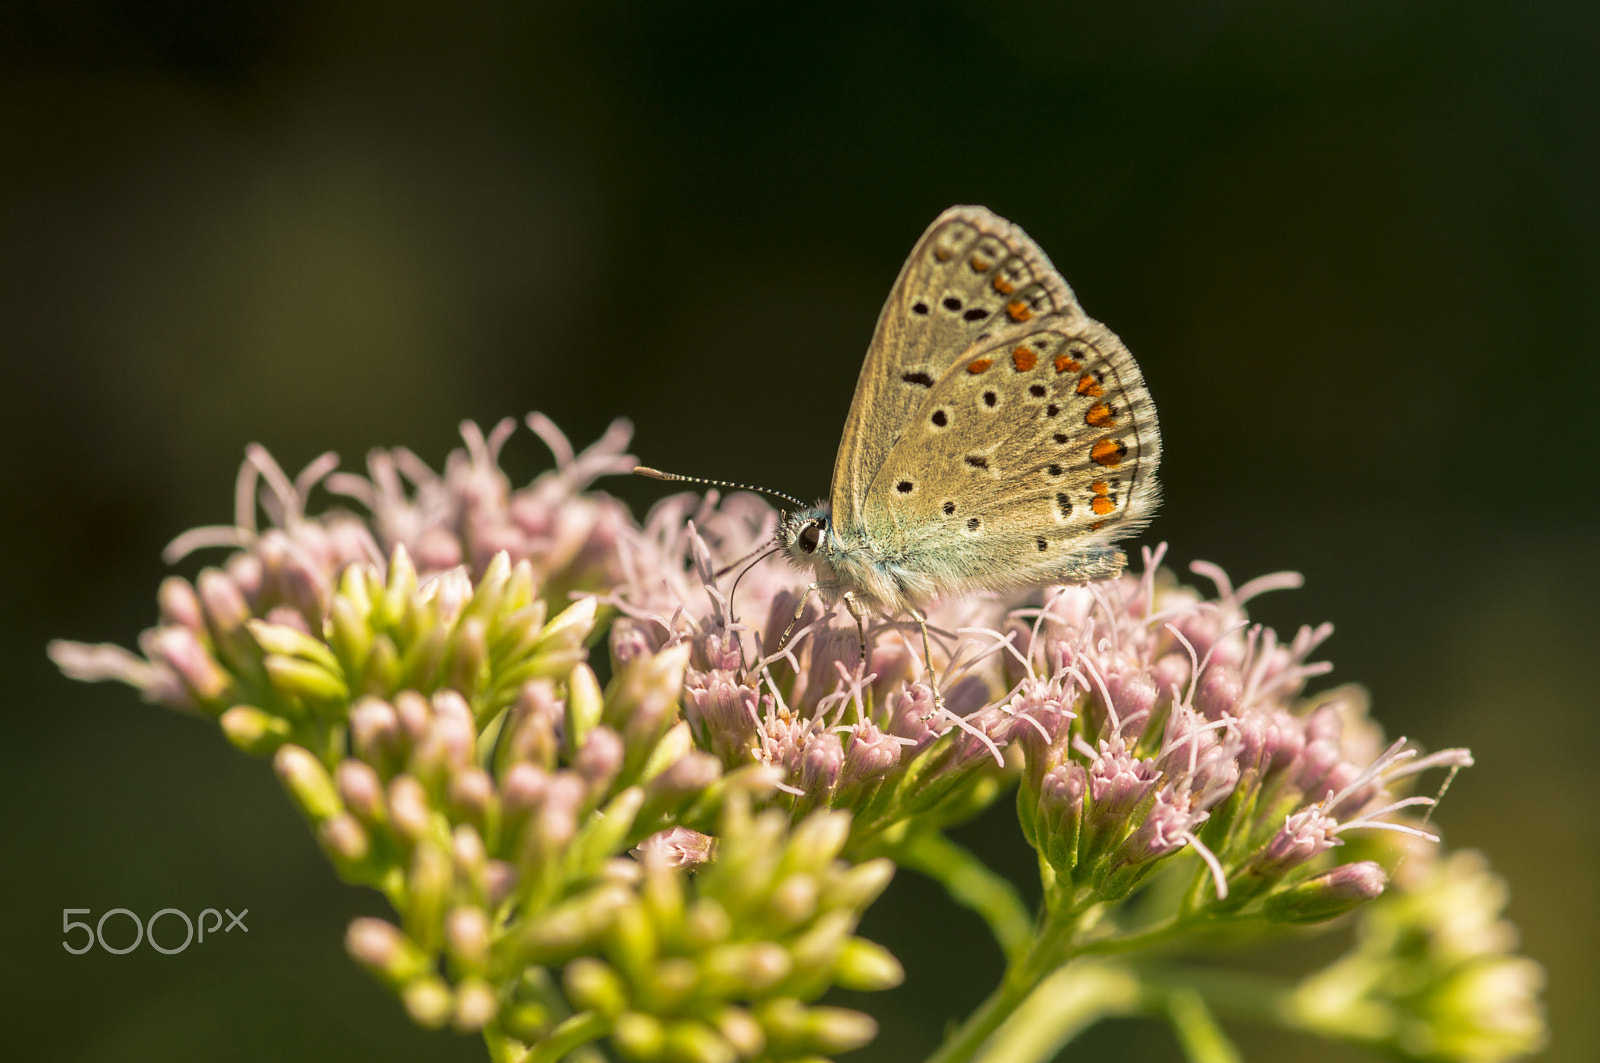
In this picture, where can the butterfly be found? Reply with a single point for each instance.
(999, 438)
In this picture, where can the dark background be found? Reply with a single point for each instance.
(1355, 247)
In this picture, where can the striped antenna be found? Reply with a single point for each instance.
(657, 474)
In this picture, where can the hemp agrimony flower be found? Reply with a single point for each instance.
(608, 800)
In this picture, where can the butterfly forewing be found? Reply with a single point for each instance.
(972, 278)
(1027, 457)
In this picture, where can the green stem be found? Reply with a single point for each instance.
(1156, 935)
(1238, 994)
(1047, 953)
(569, 1035)
(1160, 934)
(1068, 1001)
(971, 884)
(502, 1048)
(1201, 1037)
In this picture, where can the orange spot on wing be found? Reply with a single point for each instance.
(1100, 487)
(1003, 286)
(1088, 385)
(979, 264)
(1097, 525)
(1100, 415)
(1018, 310)
(978, 365)
(1102, 505)
(942, 254)
(1065, 364)
(1024, 359)
(1108, 452)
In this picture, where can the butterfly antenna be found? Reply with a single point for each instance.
(657, 474)
(735, 588)
(766, 549)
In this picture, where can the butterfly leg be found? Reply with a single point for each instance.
(860, 615)
(927, 658)
(799, 611)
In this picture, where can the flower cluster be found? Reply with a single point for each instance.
(1144, 719)
(450, 745)
(1431, 972)
(1193, 734)
(667, 844)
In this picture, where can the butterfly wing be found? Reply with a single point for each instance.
(1024, 461)
(972, 277)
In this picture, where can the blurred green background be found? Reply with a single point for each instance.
(1355, 247)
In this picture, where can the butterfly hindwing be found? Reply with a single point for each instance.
(972, 278)
(1027, 457)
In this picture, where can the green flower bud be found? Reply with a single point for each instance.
(598, 762)
(706, 924)
(179, 605)
(399, 586)
(639, 1037)
(476, 1005)
(471, 797)
(357, 585)
(491, 589)
(740, 1029)
(592, 985)
(385, 951)
(415, 715)
(517, 634)
(419, 664)
(667, 987)
(188, 661)
(569, 928)
(793, 1028)
(817, 841)
(429, 881)
(306, 679)
(866, 966)
(348, 633)
(471, 859)
(308, 783)
(226, 610)
(526, 1020)
(816, 952)
(585, 703)
(466, 937)
(281, 640)
(255, 731)
(794, 901)
(361, 790)
(346, 842)
(664, 901)
(381, 675)
(410, 812)
(531, 728)
(1328, 895)
(674, 746)
(603, 835)
(741, 970)
(633, 944)
(641, 703)
(557, 650)
(859, 886)
(428, 1001)
(466, 666)
(695, 1042)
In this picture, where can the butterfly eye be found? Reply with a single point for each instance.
(809, 537)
